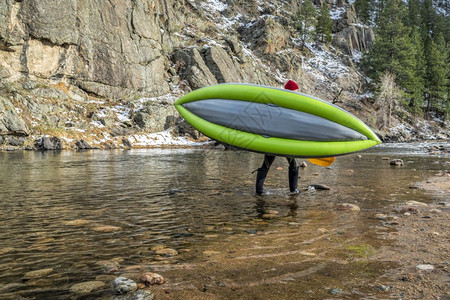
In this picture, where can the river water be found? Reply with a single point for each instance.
(86, 214)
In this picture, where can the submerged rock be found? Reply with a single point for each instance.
(86, 287)
(109, 266)
(77, 222)
(166, 252)
(122, 285)
(38, 273)
(107, 228)
(348, 207)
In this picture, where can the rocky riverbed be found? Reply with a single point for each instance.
(145, 225)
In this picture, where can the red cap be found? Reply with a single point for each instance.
(291, 85)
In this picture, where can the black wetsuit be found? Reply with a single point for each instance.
(262, 173)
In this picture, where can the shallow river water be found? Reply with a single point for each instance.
(94, 215)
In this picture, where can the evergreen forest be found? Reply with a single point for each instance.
(408, 65)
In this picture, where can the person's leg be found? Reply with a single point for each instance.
(293, 175)
(262, 173)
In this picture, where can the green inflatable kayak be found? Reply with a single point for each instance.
(274, 121)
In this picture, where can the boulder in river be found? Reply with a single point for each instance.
(122, 285)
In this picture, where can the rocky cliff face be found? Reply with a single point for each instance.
(84, 70)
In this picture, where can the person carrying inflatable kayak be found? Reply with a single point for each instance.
(268, 160)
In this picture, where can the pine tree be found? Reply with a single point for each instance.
(378, 7)
(324, 24)
(428, 17)
(304, 20)
(414, 13)
(435, 77)
(363, 10)
(392, 50)
(417, 88)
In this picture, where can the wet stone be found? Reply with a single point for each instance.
(123, 285)
(319, 187)
(77, 222)
(109, 266)
(6, 250)
(150, 278)
(134, 268)
(416, 203)
(425, 267)
(166, 252)
(381, 216)
(348, 207)
(86, 287)
(42, 282)
(11, 287)
(157, 247)
(335, 291)
(107, 228)
(38, 273)
(184, 250)
(383, 288)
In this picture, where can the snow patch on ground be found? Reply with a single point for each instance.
(215, 5)
(401, 130)
(424, 130)
(356, 55)
(324, 64)
(335, 13)
(122, 112)
(160, 139)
